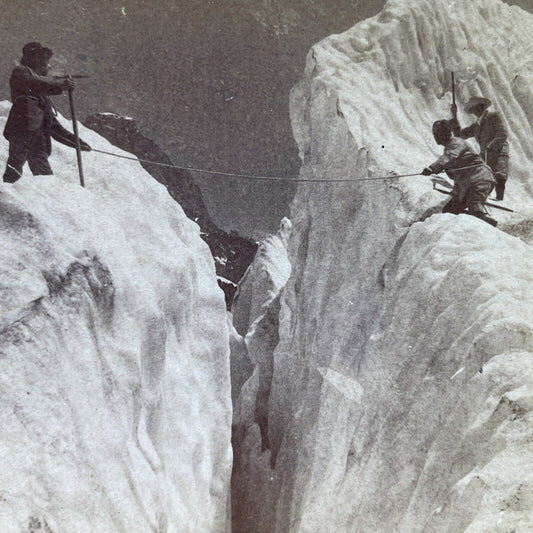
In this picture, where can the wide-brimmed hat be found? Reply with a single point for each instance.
(475, 101)
(33, 48)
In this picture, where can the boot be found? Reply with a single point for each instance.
(500, 188)
(11, 175)
(485, 217)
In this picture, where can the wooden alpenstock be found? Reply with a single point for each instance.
(76, 134)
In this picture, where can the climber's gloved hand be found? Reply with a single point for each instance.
(426, 172)
(453, 109)
(68, 84)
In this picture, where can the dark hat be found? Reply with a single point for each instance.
(442, 129)
(475, 101)
(34, 47)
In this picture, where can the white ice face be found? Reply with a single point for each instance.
(398, 394)
(115, 361)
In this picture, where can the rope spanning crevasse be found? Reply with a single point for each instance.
(270, 178)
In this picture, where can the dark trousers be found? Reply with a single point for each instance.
(32, 148)
(474, 199)
(499, 163)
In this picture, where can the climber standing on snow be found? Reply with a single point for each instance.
(473, 179)
(491, 135)
(32, 121)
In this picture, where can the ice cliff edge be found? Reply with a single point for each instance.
(115, 394)
(401, 395)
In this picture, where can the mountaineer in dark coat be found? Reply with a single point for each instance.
(32, 121)
(491, 134)
(471, 185)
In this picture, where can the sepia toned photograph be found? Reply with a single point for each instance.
(266, 266)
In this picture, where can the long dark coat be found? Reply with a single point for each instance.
(32, 111)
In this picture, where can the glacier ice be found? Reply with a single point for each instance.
(254, 327)
(401, 391)
(115, 385)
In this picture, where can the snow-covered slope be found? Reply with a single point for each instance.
(402, 393)
(116, 408)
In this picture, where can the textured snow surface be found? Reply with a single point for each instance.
(423, 413)
(402, 392)
(116, 410)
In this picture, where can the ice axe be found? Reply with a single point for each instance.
(436, 180)
(70, 76)
(454, 105)
(74, 121)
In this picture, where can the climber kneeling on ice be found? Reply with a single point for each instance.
(31, 121)
(473, 179)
